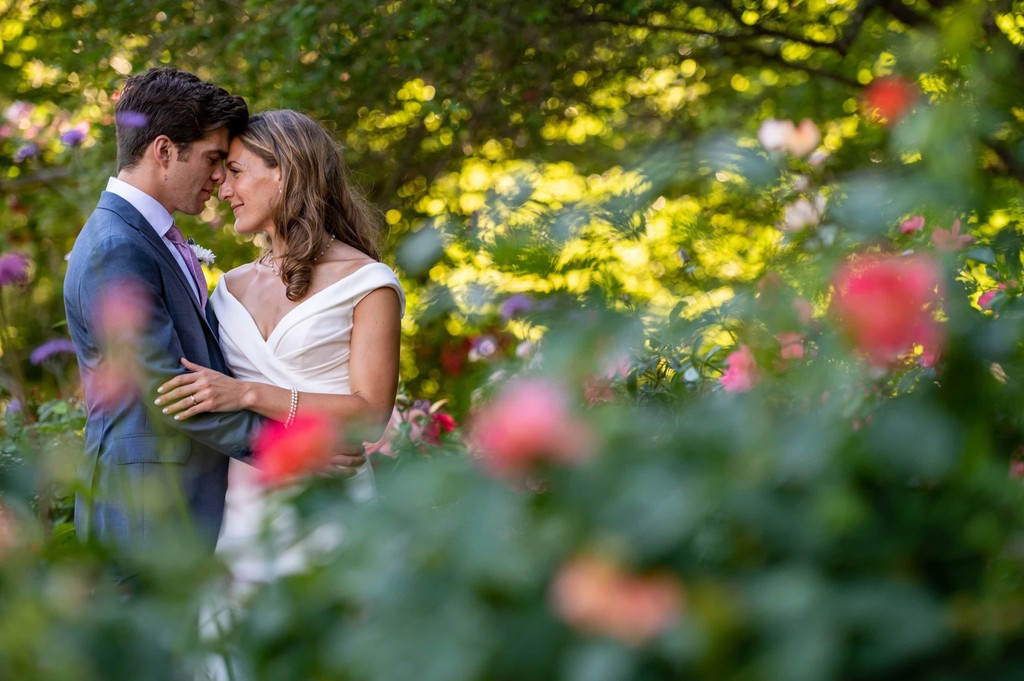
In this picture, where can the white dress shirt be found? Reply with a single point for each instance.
(156, 215)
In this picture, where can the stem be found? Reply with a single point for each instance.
(17, 379)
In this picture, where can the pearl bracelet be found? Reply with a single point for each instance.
(294, 407)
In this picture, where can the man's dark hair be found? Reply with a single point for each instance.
(165, 101)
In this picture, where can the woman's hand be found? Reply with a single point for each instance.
(200, 390)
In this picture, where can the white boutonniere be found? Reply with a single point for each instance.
(204, 255)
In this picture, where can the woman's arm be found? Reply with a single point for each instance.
(373, 378)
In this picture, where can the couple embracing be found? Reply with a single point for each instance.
(312, 324)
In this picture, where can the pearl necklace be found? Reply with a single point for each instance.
(276, 269)
(323, 251)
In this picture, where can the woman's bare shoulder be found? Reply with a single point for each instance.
(240, 277)
(342, 262)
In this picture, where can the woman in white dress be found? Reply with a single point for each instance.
(313, 324)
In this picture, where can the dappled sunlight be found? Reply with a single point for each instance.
(710, 352)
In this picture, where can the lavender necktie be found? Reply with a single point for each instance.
(175, 237)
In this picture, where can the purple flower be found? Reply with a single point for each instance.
(13, 269)
(515, 305)
(131, 119)
(27, 151)
(72, 137)
(13, 407)
(50, 348)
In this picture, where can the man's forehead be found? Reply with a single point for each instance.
(215, 140)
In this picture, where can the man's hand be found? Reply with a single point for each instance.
(347, 460)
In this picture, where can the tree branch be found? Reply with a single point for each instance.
(35, 180)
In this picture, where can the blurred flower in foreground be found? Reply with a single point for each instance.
(886, 306)
(911, 225)
(13, 269)
(285, 454)
(949, 240)
(50, 349)
(742, 372)
(131, 119)
(598, 597)
(888, 99)
(123, 310)
(985, 299)
(798, 140)
(528, 423)
(792, 345)
(112, 383)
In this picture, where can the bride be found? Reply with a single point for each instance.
(313, 324)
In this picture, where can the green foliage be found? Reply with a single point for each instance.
(581, 192)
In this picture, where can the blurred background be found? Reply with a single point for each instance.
(711, 364)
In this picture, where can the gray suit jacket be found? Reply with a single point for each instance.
(146, 478)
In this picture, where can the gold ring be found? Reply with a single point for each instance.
(193, 396)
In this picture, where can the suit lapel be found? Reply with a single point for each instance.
(134, 218)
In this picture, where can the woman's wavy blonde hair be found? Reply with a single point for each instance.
(317, 199)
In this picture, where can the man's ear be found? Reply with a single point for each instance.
(162, 149)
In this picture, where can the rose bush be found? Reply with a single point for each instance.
(711, 361)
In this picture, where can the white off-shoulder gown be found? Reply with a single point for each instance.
(309, 350)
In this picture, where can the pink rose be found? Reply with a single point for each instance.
(911, 225)
(985, 299)
(798, 140)
(305, 447)
(805, 138)
(527, 424)
(885, 304)
(951, 239)
(792, 345)
(598, 597)
(742, 372)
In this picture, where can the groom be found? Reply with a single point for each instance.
(135, 299)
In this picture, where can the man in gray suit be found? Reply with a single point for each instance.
(147, 477)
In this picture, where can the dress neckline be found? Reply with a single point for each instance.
(287, 314)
